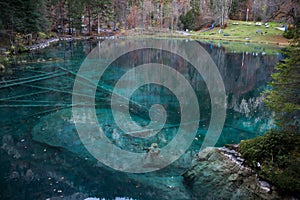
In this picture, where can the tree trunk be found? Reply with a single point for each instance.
(69, 8)
(98, 23)
(89, 21)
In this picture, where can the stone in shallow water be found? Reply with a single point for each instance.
(58, 130)
(216, 175)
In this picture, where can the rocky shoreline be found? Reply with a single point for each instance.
(220, 173)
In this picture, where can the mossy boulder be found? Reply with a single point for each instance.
(276, 157)
(218, 173)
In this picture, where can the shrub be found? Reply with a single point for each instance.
(277, 153)
(289, 34)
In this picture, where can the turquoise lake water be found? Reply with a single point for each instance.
(42, 157)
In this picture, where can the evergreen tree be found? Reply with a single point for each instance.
(277, 151)
(284, 95)
(23, 16)
(74, 14)
(189, 20)
(99, 9)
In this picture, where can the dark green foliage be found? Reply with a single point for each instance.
(103, 8)
(189, 20)
(289, 34)
(74, 13)
(22, 16)
(268, 147)
(233, 9)
(22, 49)
(238, 9)
(293, 33)
(30, 16)
(277, 153)
(284, 95)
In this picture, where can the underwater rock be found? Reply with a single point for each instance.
(58, 130)
(10, 147)
(218, 173)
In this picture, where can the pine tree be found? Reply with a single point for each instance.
(284, 95)
(189, 20)
(22, 16)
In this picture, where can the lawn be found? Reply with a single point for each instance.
(241, 37)
(246, 32)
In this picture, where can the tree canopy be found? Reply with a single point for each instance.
(28, 16)
(284, 94)
(23, 16)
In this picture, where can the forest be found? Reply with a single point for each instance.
(93, 16)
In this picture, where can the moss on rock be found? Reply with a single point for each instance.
(275, 156)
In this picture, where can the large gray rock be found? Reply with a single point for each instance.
(218, 173)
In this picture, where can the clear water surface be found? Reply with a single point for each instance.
(41, 156)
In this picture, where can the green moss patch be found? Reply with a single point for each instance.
(276, 157)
